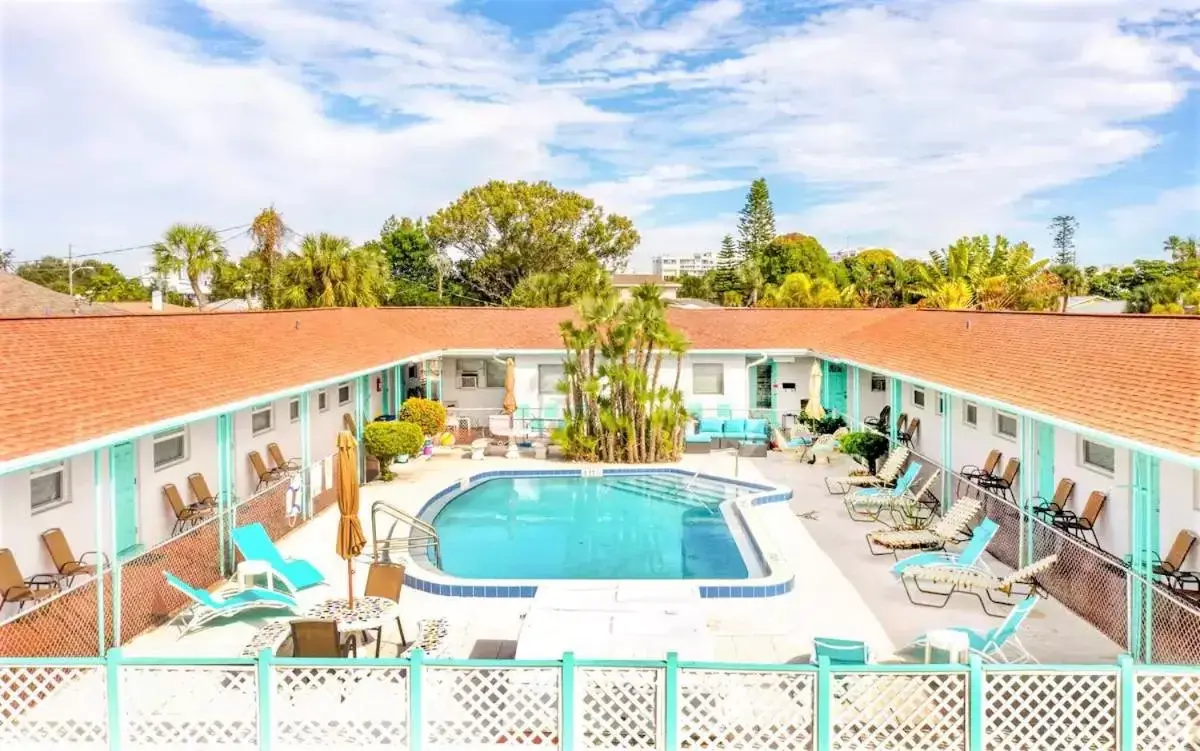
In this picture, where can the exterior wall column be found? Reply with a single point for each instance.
(1045, 460)
(855, 397)
(362, 403)
(115, 558)
(305, 456)
(896, 403)
(98, 499)
(225, 496)
(1026, 486)
(397, 388)
(947, 449)
(1144, 498)
(386, 377)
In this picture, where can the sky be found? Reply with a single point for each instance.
(901, 123)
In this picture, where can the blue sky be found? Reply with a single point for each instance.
(904, 123)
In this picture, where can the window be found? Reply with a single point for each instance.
(1006, 424)
(294, 410)
(48, 486)
(262, 419)
(494, 372)
(343, 394)
(878, 382)
(548, 378)
(708, 378)
(941, 404)
(170, 447)
(322, 401)
(1097, 456)
(919, 398)
(970, 414)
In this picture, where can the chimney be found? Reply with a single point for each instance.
(156, 300)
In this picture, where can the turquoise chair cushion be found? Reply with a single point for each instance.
(801, 441)
(757, 428)
(734, 426)
(697, 438)
(711, 425)
(841, 651)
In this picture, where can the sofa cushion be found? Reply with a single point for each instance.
(698, 438)
(757, 427)
(710, 425)
(736, 436)
(733, 426)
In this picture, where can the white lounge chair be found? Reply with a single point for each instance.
(944, 531)
(885, 475)
(208, 606)
(974, 581)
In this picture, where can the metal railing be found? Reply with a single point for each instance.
(421, 534)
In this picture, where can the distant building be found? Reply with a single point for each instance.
(673, 267)
(21, 298)
(624, 284)
(176, 282)
(1094, 304)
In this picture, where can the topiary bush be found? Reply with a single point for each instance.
(824, 426)
(387, 440)
(428, 415)
(865, 443)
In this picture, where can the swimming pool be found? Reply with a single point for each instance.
(627, 526)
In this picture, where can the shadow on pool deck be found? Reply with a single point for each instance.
(1052, 633)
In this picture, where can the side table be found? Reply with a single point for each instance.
(946, 646)
(249, 571)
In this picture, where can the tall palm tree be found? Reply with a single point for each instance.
(327, 272)
(267, 230)
(195, 249)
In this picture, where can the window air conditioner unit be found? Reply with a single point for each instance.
(468, 381)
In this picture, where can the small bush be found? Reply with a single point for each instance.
(865, 443)
(824, 426)
(387, 440)
(428, 415)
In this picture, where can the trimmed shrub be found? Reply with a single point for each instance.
(866, 444)
(387, 440)
(428, 415)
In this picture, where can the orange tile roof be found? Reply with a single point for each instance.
(1132, 376)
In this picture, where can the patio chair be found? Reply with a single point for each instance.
(885, 475)
(910, 430)
(798, 448)
(1062, 494)
(1169, 568)
(16, 588)
(971, 473)
(1084, 524)
(973, 581)
(1002, 484)
(208, 606)
(885, 416)
(825, 446)
(200, 491)
(312, 637)
(386, 580)
(281, 464)
(254, 544)
(946, 530)
(999, 644)
(265, 476)
(971, 556)
(65, 561)
(186, 514)
(912, 509)
(872, 499)
(840, 651)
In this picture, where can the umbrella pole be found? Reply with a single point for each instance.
(350, 580)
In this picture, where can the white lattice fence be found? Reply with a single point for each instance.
(186, 707)
(485, 706)
(1050, 710)
(53, 707)
(746, 710)
(339, 707)
(619, 707)
(907, 711)
(1168, 711)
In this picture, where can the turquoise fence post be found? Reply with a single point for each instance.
(98, 486)
(975, 704)
(897, 404)
(566, 704)
(1152, 528)
(1026, 485)
(225, 483)
(1045, 460)
(671, 703)
(824, 705)
(116, 558)
(112, 681)
(362, 402)
(397, 388)
(1133, 605)
(855, 398)
(1127, 714)
(416, 730)
(947, 402)
(266, 690)
(305, 456)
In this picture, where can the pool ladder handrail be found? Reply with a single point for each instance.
(421, 533)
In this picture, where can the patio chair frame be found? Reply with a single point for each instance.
(266, 476)
(1081, 525)
(64, 559)
(1002, 485)
(275, 454)
(1170, 568)
(187, 515)
(1022, 583)
(199, 487)
(1046, 510)
(894, 463)
(953, 527)
(32, 589)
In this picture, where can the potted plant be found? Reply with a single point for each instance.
(387, 441)
(868, 445)
(428, 415)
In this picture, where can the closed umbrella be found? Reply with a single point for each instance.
(814, 409)
(350, 539)
(510, 404)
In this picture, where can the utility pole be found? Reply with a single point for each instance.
(70, 274)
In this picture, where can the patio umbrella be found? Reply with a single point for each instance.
(814, 409)
(350, 539)
(510, 386)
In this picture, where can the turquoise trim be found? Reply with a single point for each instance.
(1045, 460)
(112, 674)
(896, 400)
(398, 385)
(386, 377)
(947, 402)
(225, 484)
(116, 559)
(266, 691)
(416, 729)
(976, 704)
(671, 702)
(306, 495)
(1026, 486)
(855, 395)
(824, 740)
(1127, 705)
(566, 704)
(98, 497)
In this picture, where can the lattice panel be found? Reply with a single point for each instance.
(308, 703)
(728, 710)
(1050, 710)
(484, 706)
(53, 707)
(620, 707)
(1168, 712)
(1176, 638)
(189, 706)
(908, 711)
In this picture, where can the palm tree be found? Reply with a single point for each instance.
(751, 277)
(327, 272)
(1182, 249)
(799, 290)
(194, 249)
(950, 294)
(267, 230)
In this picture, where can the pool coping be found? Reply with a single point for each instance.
(422, 576)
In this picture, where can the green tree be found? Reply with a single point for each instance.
(696, 287)
(794, 252)
(879, 279)
(95, 281)
(6, 261)
(242, 280)
(756, 223)
(750, 278)
(1073, 280)
(1063, 229)
(267, 230)
(725, 278)
(411, 262)
(327, 272)
(508, 230)
(195, 249)
(799, 290)
(561, 288)
(1182, 249)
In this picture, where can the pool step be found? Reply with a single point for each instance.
(670, 491)
(697, 485)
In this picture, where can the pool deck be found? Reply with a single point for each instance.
(840, 589)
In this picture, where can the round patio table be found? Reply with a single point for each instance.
(366, 614)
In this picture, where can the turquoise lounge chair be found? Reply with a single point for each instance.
(840, 651)
(254, 544)
(207, 606)
(999, 644)
(969, 557)
(874, 499)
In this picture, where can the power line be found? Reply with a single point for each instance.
(144, 246)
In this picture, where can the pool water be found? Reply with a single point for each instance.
(617, 527)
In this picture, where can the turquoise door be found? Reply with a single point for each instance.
(836, 375)
(124, 472)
